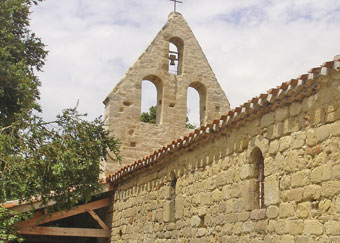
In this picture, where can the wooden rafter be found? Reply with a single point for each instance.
(58, 231)
(37, 220)
(98, 219)
(30, 227)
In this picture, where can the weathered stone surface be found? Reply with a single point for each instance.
(313, 227)
(271, 190)
(272, 212)
(218, 193)
(123, 104)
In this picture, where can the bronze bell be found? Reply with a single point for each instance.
(172, 59)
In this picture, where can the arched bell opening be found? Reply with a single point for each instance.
(176, 46)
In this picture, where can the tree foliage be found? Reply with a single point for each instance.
(40, 160)
(21, 53)
(149, 117)
(189, 125)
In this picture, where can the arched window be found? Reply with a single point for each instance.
(175, 55)
(193, 108)
(151, 99)
(196, 103)
(173, 183)
(258, 162)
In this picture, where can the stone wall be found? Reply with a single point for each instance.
(207, 193)
(123, 104)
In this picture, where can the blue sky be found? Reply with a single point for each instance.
(252, 45)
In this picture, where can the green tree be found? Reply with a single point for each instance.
(21, 54)
(150, 116)
(189, 125)
(57, 160)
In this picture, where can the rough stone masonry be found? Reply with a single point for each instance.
(123, 104)
(206, 186)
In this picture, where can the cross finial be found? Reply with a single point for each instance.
(175, 1)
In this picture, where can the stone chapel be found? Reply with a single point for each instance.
(265, 171)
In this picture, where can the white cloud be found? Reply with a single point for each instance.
(252, 45)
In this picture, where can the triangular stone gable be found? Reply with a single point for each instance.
(123, 104)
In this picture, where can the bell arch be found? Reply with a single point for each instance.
(176, 48)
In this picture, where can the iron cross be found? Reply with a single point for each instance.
(175, 1)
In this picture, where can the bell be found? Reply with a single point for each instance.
(172, 59)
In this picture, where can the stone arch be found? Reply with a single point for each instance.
(202, 92)
(176, 55)
(257, 162)
(159, 88)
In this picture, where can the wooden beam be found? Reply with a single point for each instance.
(98, 219)
(42, 219)
(58, 231)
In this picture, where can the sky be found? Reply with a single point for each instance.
(252, 45)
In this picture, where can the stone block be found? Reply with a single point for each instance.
(322, 133)
(313, 227)
(327, 172)
(295, 109)
(281, 113)
(167, 211)
(258, 214)
(332, 228)
(295, 194)
(282, 227)
(299, 140)
(286, 210)
(312, 192)
(330, 188)
(195, 221)
(247, 171)
(224, 177)
(271, 190)
(301, 178)
(285, 143)
(296, 227)
(179, 207)
(267, 119)
(311, 139)
(303, 209)
(216, 195)
(287, 239)
(335, 129)
(261, 226)
(244, 216)
(304, 239)
(337, 204)
(272, 212)
(248, 227)
(316, 175)
(273, 147)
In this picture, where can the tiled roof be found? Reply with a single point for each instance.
(288, 92)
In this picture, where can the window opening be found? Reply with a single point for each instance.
(196, 103)
(149, 102)
(193, 108)
(260, 181)
(173, 197)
